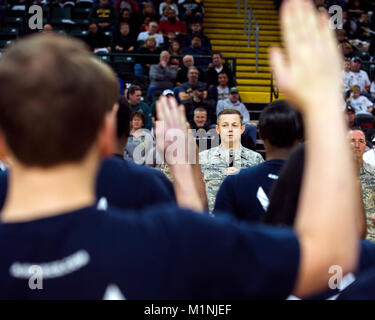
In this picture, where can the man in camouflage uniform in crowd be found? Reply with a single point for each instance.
(367, 178)
(229, 157)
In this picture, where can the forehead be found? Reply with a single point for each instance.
(200, 113)
(357, 134)
(230, 118)
(193, 71)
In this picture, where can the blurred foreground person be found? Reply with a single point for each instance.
(85, 253)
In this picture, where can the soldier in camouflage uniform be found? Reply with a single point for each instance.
(229, 157)
(367, 178)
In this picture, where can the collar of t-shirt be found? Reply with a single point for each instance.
(219, 69)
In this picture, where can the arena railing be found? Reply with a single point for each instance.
(251, 27)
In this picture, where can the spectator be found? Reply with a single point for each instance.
(162, 76)
(123, 40)
(187, 62)
(362, 26)
(144, 63)
(152, 28)
(205, 137)
(96, 39)
(359, 77)
(134, 96)
(139, 147)
(166, 4)
(360, 103)
(348, 24)
(47, 29)
(186, 89)
(169, 39)
(229, 157)
(356, 8)
(104, 15)
(130, 5)
(346, 76)
(191, 11)
(367, 178)
(245, 195)
(175, 48)
(196, 29)
(128, 17)
(175, 64)
(172, 24)
(350, 116)
(233, 102)
(217, 67)
(148, 12)
(197, 49)
(198, 101)
(347, 50)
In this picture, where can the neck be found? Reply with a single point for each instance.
(231, 145)
(273, 153)
(36, 193)
(360, 163)
(222, 86)
(219, 66)
(120, 145)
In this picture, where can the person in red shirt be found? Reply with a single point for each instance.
(172, 24)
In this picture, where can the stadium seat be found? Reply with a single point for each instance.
(364, 120)
(81, 13)
(9, 33)
(78, 33)
(106, 59)
(83, 4)
(15, 13)
(14, 22)
(372, 71)
(123, 65)
(58, 15)
(363, 55)
(5, 43)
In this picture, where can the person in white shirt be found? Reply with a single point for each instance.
(358, 76)
(152, 28)
(347, 75)
(360, 103)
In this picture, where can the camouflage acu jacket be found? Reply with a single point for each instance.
(215, 162)
(367, 177)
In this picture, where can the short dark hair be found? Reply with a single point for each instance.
(123, 118)
(138, 114)
(200, 109)
(217, 52)
(229, 111)
(280, 124)
(54, 95)
(132, 89)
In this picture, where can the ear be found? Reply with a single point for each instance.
(242, 129)
(5, 154)
(107, 134)
(217, 129)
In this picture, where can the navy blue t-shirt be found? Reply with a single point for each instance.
(243, 195)
(123, 184)
(161, 253)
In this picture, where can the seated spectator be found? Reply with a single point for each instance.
(198, 101)
(152, 32)
(175, 48)
(359, 77)
(245, 195)
(187, 62)
(220, 92)
(350, 116)
(175, 63)
(196, 29)
(360, 103)
(164, 5)
(186, 89)
(104, 15)
(96, 39)
(347, 50)
(229, 157)
(233, 102)
(171, 36)
(47, 29)
(204, 136)
(191, 11)
(127, 16)
(362, 26)
(134, 97)
(197, 49)
(217, 67)
(356, 8)
(172, 24)
(130, 5)
(346, 75)
(162, 76)
(123, 40)
(140, 141)
(148, 12)
(341, 36)
(144, 63)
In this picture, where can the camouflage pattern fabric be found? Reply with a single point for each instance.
(214, 165)
(367, 177)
